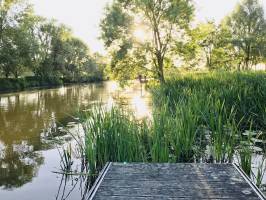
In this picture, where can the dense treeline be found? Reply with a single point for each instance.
(43, 49)
(168, 37)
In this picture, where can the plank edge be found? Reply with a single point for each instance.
(98, 181)
(251, 184)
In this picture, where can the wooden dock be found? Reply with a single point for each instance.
(141, 181)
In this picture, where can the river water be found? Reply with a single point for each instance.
(32, 133)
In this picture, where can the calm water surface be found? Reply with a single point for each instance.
(32, 132)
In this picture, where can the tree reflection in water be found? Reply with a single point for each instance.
(32, 127)
(28, 125)
(19, 165)
(69, 183)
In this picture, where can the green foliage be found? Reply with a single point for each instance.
(208, 45)
(14, 84)
(237, 43)
(236, 90)
(248, 28)
(116, 25)
(196, 118)
(32, 45)
(163, 19)
(112, 136)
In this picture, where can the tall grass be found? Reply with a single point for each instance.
(245, 92)
(113, 136)
(196, 118)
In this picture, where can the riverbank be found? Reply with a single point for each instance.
(28, 83)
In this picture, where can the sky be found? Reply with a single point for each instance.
(84, 16)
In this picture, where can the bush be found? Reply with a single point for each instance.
(12, 84)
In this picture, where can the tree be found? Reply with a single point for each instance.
(209, 44)
(200, 43)
(50, 57)
(248, 28)
(5, 16)
(164, 18)
(14, 37)
(206, 34)
(224, 55)
(75, 55)
(30, 44)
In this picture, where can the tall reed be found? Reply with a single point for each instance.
(113, 136)
(191, 114)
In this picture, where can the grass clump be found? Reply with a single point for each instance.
(113, 136)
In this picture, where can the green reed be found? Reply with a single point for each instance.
(191, 114)
(113, 136)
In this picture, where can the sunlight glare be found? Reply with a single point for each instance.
(112, 86)
(140, 34)
(140, 107)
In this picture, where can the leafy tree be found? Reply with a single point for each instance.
(75, 56)
(207, 39)
(199, 44)
(165, 19)
(248, 28)
(49, 57)
(34, 45)
(14, 40)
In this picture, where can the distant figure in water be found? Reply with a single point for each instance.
(142, 79)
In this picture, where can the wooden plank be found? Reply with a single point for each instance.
(248, 180)
(98, 181)
(168, 184)
(173, 181)
(173, 192)
(156, 198)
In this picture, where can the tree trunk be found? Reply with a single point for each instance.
(239, 66)
(16, 75)
(161, 74)
(247, 60)
(160, 62)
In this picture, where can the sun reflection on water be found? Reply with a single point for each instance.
(130, 97)
(140, 107)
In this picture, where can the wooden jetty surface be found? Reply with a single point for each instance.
(150, 181)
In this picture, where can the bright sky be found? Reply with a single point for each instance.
(84, 16)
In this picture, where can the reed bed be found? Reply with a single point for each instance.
(214, 117)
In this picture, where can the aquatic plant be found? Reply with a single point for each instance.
(196, 118)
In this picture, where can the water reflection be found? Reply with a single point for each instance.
(69, 183)
(33, 122)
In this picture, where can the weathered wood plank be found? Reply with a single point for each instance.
(176, 170)
(170, 183)
(173, 181)
(156, 198)
(174, 192)
(178, 177)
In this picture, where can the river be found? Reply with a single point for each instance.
(32, 132)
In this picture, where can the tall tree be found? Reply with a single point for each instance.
(51, 39)
(75, 54)
(210, 45)
(248, 28)
(164, 18)
(14, 37)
